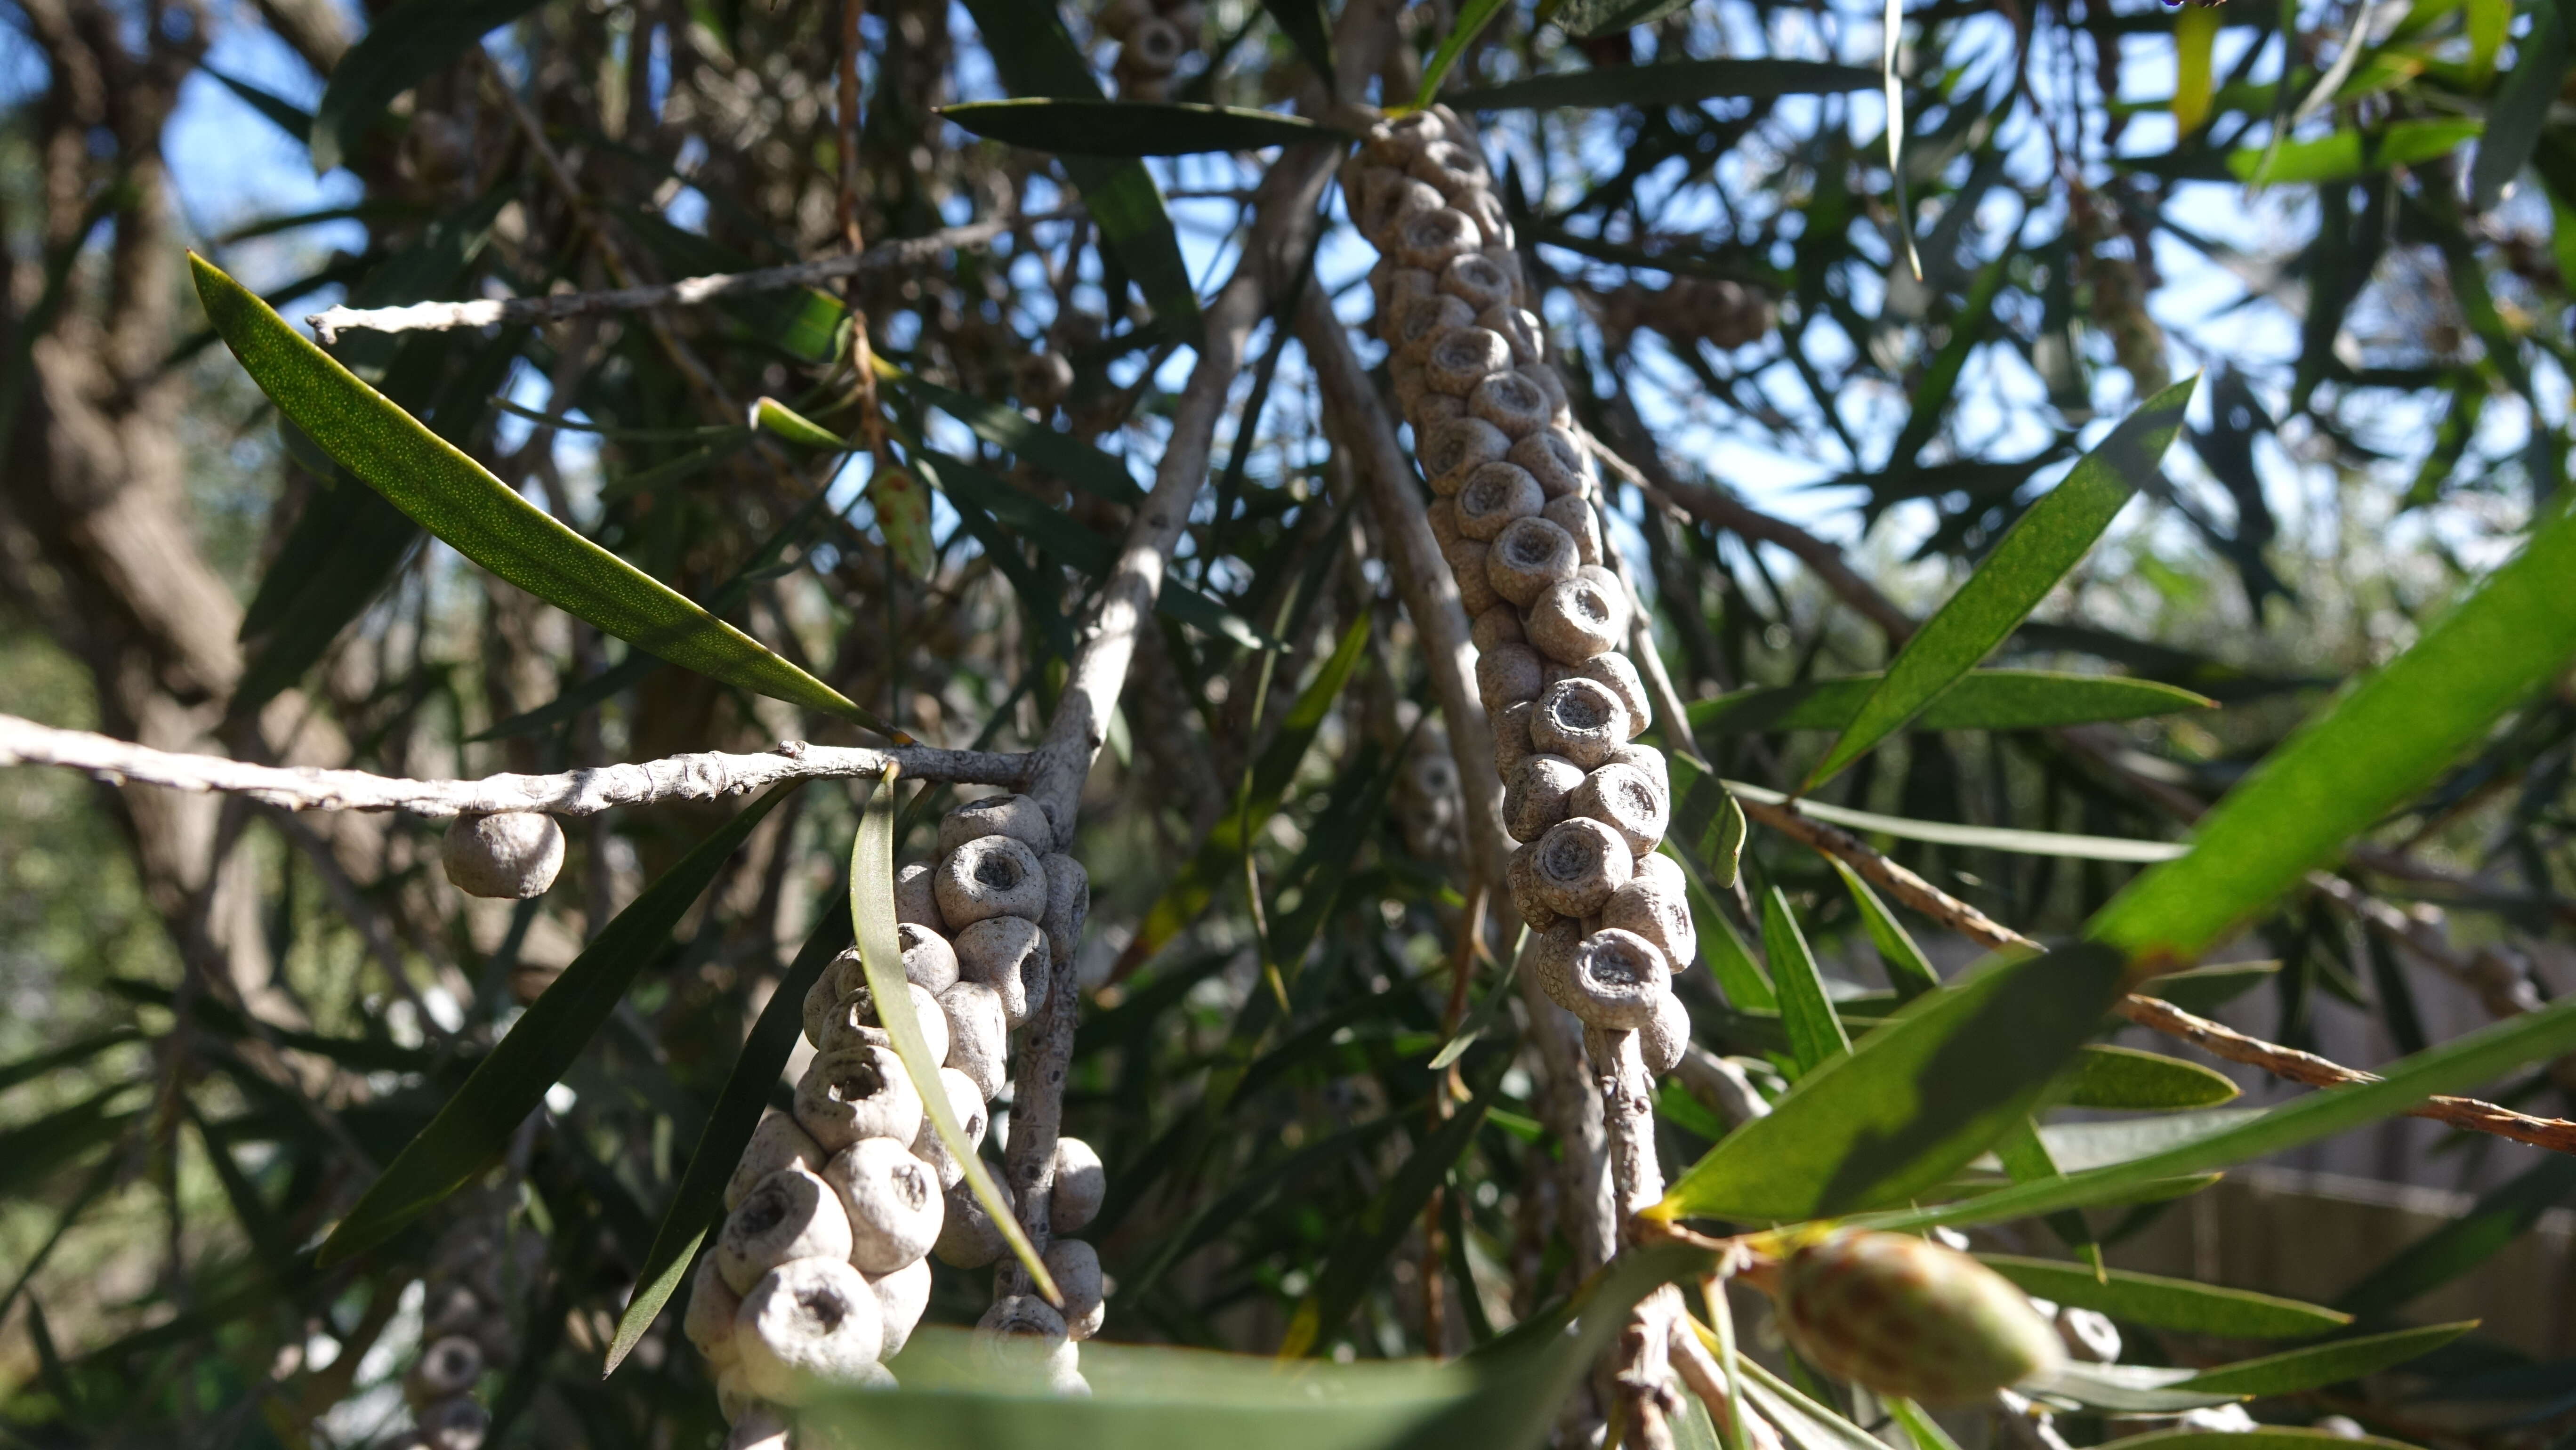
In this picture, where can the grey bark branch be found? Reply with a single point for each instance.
(703, 776)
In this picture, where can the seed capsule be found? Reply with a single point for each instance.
(1908, 1317)
(1009, 955)
(1015, 816)
(893, 1203)
(968, 1237)
(807, 1324)
(709, 1319)
(903, 1295)
(987, 877)
(777, 1143)
(862, 1092)
(966, 1101)
(449, 1366)
(512, 855)
(791, 1215)
(1075, 1267)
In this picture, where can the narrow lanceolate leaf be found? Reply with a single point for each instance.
(872, 917)
(2195, 37)
(402, 47)
(2348, 153)
(1039, 446)
(2380, 743)
(456, 498)
(2129, 1079)
(1707, 824)
(1473, 17)
(1914, 1102)
(2162, 1303)
(1816, 1034)
(774, 417)
(472, 1130)
(2459, 1063)
(1991, 838)
(1673, 83)
(2326, 1364)
(1980, 700)
(698, 1203)
(1134, 128)
(1908, 970)
(2036, 553)
(902, 504)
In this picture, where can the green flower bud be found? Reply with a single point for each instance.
(1904, 1316)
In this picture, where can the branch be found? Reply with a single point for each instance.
(698, 777)
(2220, 1041)
(690, 292)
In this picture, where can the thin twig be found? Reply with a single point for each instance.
(697, 777)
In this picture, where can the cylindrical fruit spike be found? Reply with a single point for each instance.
(1905, 1316)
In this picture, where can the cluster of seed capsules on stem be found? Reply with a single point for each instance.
(1518, 519)
(1722, 313)
(821, 1270)
(1154, 37)
(476, 1272)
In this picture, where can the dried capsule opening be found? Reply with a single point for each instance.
(1442, 230)
(912, 1185)
(997, 870)
(824, 1308)
(1589, 604)
(1614, 963)
(1629, 793)
(763, 1211)
(1470, 349)
(1461, 442)
(1156, 45)
(1568, 855)
(858, 1082)
(1532, 548)
(1479, 279)
(1579, 711)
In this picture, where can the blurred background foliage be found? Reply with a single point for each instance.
(2351, 217)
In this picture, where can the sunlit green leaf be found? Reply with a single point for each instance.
(2326, 1364)
(2347, 153)
(2162, 1303)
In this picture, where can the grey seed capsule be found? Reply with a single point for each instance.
(806, 1326)
(862, 1092)
(1080, 1185)
(1574, 513)
(1429, 240)
(1648, 759)
(512, 855)
(978, 1035)
(816, 1012)
(1396, 205)
(1022, 1339)
(791, 1214)
(1450, 451)
(1617, 976)
(1430, 410)
(916, 897)
(1663, 1041)
(903, 1295)
(1410, 386)
(455, 1423)
(1404, 282)
(1508, 674)
(1512, 736)
(1068, 902)
(1461, 359)
(454, 1309)
(1475, 280)
(1552, 388)
(1494, 495)
(893, 1202)
(855, 1022)
(1574, 619)
(1577, 864)
(1467, 566)
(777, 1143)
(1511, 325)
(929, 962)
(1662, 873)
(988, 877)
(449, 1366)
(1613, 671)
(1656, 912)
(1154, 47)
(1493, 228)
(1420, 319)
(1556, 460)
(1520, 875)
(1015, 816)
(1008, 955)
(1622, 798)
(968, 1238)
(1452, 168)
(1442, 515)
(1508, 400)
(1552, 959)
(966, 1104)
(734, 1399)
(1579, 719)
(1075, 1267)
(1528, 558)
(1540, 794)
(1041, 379)
(710, 1317)
(1500, 625)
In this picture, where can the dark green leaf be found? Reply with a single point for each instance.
(26, 1069)
(1981, 700)
(402, 47)
(1816, 1034)
(1670, 83)
(2206, 989)
(2128, 1079)
(1134, 128)
(1928, 399)
(474, 1127)
(2327, 1364)
(2520, 107)
(1068, 458)
(2045, 543)
(2161, 1303)
(1908, 970)
(1310, 30)
(287, 116)
(1707, 824)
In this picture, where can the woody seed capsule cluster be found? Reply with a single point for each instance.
(1154, 37)
(1691, 309)
(1517, 517)
(821, 1270)
(475, 1273)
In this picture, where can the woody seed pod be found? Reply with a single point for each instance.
(449, 1366)
(1410, 389)
(1452, 168)
(968, 1238)
(807, 1325)
(1508, 674)
(457, 1423)
(1579, 719)
(1022, 1339)
(1577, 864)
(1491, 224)
(1396, 205)
(1015, 816)
(893, 1201)
(966, 1104)
(789, 1215)
(1612, 670)
(862, 1092)
(776, 1144)
(1009, 955)
(709, 1320)
(916, 898)
(1625, 800)
(1120, 16)
(1495, 627)
(1663, 1041)
(1520, 876)
(1552, 959)
(1432, 409)
(1494, 495)
(1907, 1317)
(1512, 736)
(1508, 400)
(1467, 566)
(1429, 240)
(1649, 760)
(1529, 557)
(903, 1295)
(929, 962)
(454, 1309)
(1540, 795)
(1080, 1185)
(1462, 358)
(1655, 911)
(978, 1035)
(512, 855)
(760, 1427)
(1417, 320)
(1476, 281)
(1574, 513)
(1154, 48)
(855, 1023)
(1442, 515)
(1577, 618)
(1511, 325)
(1450, 451)
(1068, 900)
(1615, 978)
(1075, 1267)
(988, 877)
(1556, 461)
